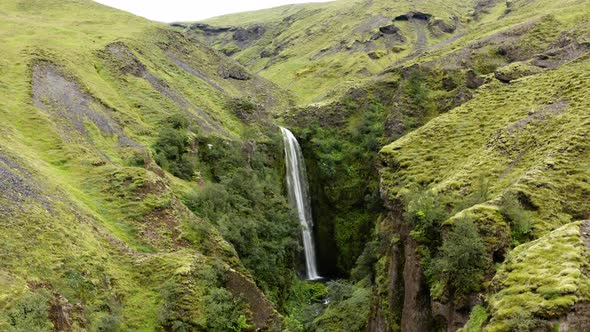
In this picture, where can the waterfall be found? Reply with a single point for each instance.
(299, 198)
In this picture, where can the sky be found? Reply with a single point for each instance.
(193, 10)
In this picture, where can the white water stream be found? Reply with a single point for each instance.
(299, 197)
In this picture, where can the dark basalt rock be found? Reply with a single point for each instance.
(448, 84)
(178, 25)
(375, 55)
(441, 25)
(390, 29)
(210, 29)
(413, 15)
(269, 54)
(473, 81)
(249, 34)
(421, 16)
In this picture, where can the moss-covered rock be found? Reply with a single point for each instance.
(540, 281)
(515, 71)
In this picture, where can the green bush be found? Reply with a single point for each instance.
(171, 315)
(425, 211)
(223, 312)
(365, 263)
(462, 260)
(30, 313)
(519, 218)
(171, 149)
(523, 321)
(348, 308)
(246, 203)
(351, 232)
(109, 323)
(342, 164)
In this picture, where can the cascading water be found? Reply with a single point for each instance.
(299, 197)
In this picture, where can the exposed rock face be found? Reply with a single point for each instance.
(128, 63)
(473, 81)
(413, 15)
(18, 185)
(264, 317)
(71, 106)
(59, 313)
(390, 29)
(186, 67)
(416, 306)
(578, 319)
(249, 34)
(391, 32)
(562, 52)
(437, 24)
(408, 295)
(208, 29)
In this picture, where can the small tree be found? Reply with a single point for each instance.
(426, 212)
(462, 259)
(171, 148)
(520, 219)
(30, 313)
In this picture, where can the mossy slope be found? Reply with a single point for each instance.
(319, 50)
(92, 228)
(527, 139)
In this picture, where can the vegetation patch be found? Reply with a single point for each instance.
(542, 279)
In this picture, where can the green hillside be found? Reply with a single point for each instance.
(142, 180)
(319, 50)
(483, 130)
(111, 126)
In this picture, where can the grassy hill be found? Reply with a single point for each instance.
(319, 50)
(480, 109)
(446, 143)
(111, 126)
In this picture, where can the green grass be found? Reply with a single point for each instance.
(101, 231)
(477, 319)
(495, 136)
(107, 234)
(314, 75)
(543, 278)
(318, 61)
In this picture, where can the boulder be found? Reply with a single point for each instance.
(515, 71)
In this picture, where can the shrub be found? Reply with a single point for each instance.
(365, 262)
(171, 148)
(108, 323)
(248, 207)
(348, 308)
(462, 259)
(30, 313)
(171, 315)
(223, 312)
(523, 321)
(351, 232)
(425, 212)
(519, 218)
